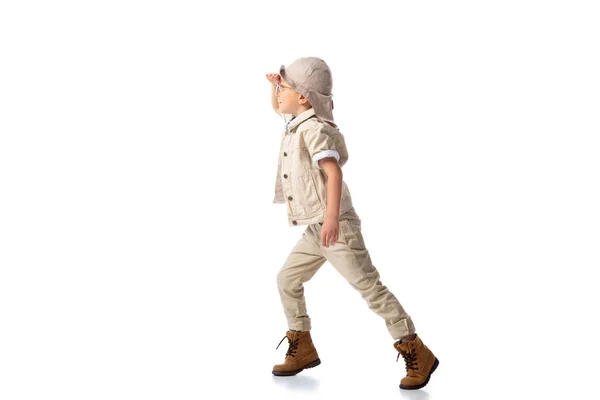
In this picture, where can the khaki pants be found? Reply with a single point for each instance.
(351, 259)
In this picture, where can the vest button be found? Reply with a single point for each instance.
(294, 222)
(285, 154)
(290, 198)
(285, 176)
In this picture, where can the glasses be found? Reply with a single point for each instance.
(277, 88)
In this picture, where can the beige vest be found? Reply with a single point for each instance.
(301, 183)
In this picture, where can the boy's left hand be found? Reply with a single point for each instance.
(330, 231)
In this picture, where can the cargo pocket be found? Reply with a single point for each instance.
(352, 235)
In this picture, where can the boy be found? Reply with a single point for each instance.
(309, 180)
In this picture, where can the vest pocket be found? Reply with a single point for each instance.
(309, 200)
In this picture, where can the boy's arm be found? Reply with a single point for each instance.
(274, 102)
(334, 186)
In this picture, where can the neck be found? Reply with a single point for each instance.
(300, 110)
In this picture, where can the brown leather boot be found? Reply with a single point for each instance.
(420, 363)
(301, 354)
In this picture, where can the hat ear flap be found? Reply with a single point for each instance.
(308, 94)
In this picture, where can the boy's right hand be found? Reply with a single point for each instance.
(273, 78)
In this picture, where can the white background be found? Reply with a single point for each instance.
(139, 245)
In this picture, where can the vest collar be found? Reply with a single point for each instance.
(303, 116)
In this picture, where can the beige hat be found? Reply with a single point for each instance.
(311, 77)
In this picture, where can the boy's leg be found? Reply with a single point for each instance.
(301, 265)
(351, 259)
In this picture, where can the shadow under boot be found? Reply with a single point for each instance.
(420, 363)
(301, 354)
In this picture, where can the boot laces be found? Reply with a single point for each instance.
(293, 346)
(410, 359)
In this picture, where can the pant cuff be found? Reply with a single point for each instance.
(402, 328)
(299, 324)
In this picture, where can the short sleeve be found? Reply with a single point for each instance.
(320, 145)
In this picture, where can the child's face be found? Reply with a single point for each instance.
(290, 101)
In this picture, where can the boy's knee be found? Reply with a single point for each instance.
(281, 278)
(284, 279)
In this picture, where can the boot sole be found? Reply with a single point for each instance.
(290, 373)
(435, 365)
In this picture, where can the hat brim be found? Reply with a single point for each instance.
(289, 80)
